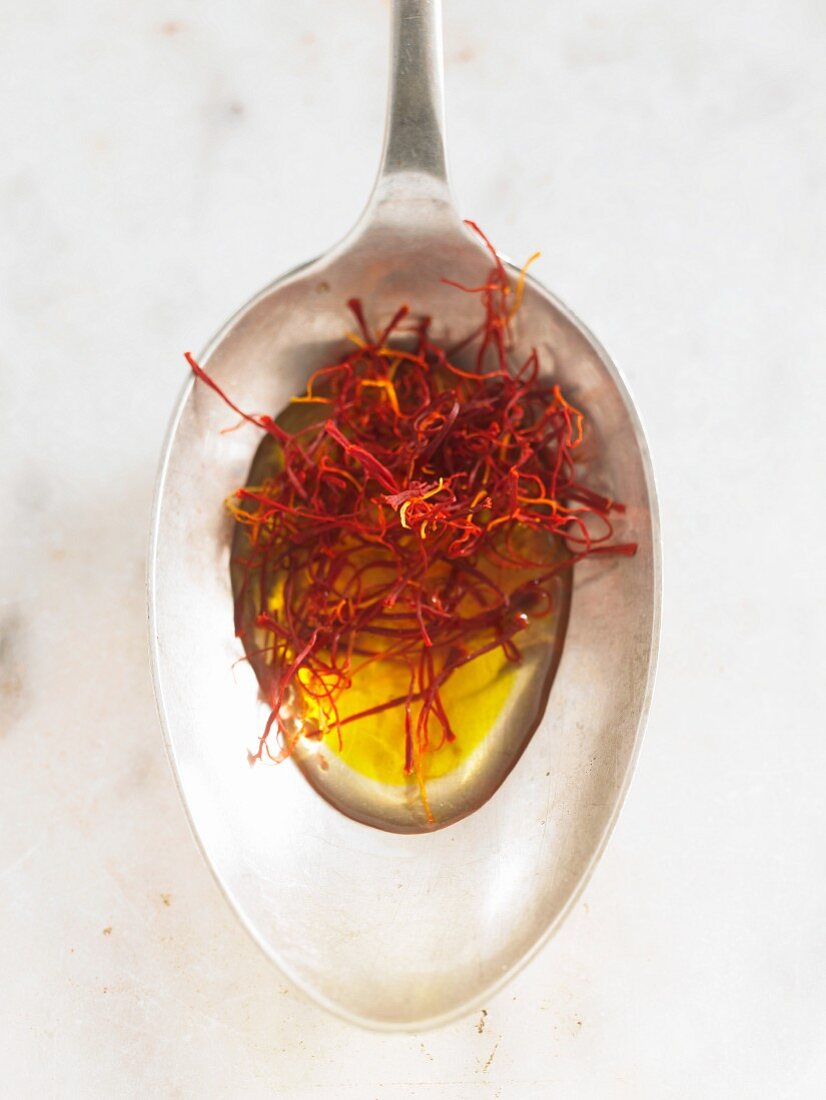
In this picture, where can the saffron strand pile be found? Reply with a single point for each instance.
(417, 516)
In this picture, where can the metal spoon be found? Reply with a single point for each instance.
(398, 931)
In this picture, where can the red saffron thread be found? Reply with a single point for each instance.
(378, 522)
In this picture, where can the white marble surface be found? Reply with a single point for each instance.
(162, 161)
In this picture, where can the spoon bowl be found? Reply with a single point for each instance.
(398, 931)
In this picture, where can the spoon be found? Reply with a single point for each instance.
(387, 930)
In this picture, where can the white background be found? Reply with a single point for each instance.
(163, 160)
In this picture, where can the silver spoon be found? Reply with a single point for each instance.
(399, 931)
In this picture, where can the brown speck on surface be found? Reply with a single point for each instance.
(172, 26)
(480, 1027)
(463, 56)
(491, 1056)
(323, 287)
(107, 931)
(166, 899)
(322, 763)
(308, 39)
(236, 108)
(425, 1052)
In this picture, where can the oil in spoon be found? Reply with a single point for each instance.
(368, 737)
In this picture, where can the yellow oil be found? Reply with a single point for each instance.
(473, 697)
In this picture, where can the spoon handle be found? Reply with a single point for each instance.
(414, 135)
(413, 158)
